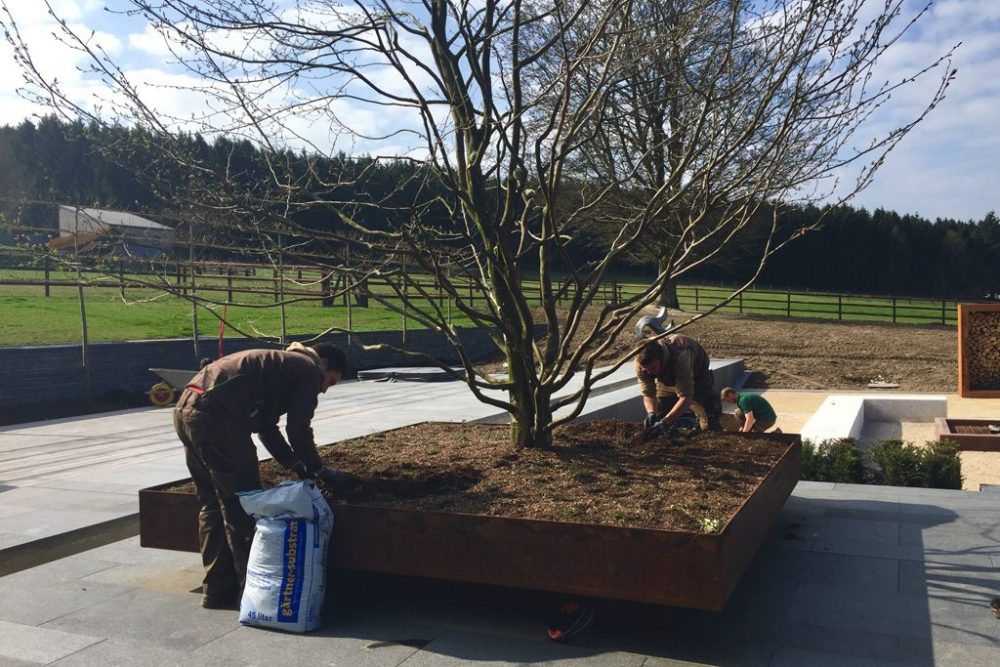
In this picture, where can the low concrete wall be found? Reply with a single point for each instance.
(905, 407)
(844, 416)
(32, 378)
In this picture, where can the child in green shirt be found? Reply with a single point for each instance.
(752, 410)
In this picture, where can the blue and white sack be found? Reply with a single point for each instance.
(286, 575)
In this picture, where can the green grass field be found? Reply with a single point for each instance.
(28, 317)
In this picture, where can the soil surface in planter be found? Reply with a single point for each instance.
(596, 473)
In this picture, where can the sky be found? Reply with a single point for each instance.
(947, 167)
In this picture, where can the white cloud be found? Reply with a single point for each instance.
(34, 11)
(150, 42)
(956, 13)
(54, 58)
(946, 166)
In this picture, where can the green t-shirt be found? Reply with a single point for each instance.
(758, 405)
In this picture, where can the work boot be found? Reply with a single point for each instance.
(230, 602)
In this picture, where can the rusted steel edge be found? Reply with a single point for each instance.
(678, 568)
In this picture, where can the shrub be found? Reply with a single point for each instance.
(901, 463)
(936, 465)
(833, 461)
(942, 465)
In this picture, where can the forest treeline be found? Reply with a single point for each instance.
(882, 252)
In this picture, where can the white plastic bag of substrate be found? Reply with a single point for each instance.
(286, 575)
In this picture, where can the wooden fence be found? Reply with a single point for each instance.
(307, 283)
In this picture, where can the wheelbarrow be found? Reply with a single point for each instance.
(173, 380)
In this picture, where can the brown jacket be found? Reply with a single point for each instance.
(256, 387)
(685, 362)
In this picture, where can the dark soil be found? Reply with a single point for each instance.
(597, 472)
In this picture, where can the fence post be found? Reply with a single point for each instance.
(840, 306)
(229, 283)
(893, 310)
(943, 320)
(788, 303)
(741, 303)
(324, 286)
(696, 298)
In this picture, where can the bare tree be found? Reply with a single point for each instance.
(667, 123)
(735, 108)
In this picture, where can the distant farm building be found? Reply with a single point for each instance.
(111, 233)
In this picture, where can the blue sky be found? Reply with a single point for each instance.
(949, 166)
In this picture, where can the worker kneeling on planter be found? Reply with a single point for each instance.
(753, 412)
(239, 394)
(673, 372)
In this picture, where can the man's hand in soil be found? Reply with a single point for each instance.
(657, 429)
(649, 421)
(338, 480)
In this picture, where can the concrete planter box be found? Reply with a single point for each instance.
(673, 568)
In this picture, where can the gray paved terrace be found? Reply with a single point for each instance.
(850, 575)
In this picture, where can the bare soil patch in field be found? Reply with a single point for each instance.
(810, 354)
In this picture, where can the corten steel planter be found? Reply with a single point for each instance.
(682, 569)
(970, 434)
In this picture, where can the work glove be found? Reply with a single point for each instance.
(657, 429)
(337, 480)
(649, 421)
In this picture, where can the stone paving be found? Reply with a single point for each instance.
(850, 575)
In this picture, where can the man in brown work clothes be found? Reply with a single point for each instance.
(224, 403)
(673, 371)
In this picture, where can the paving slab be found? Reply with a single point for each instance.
(843, 572)
(325, 647)
(948, 654)
(832, 530)
(35, 645)
(138, 653)
(34, 605)
(158, 618)
(794, 657)
(836, 643)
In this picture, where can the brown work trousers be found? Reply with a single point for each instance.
(706, 403)
(222, 459)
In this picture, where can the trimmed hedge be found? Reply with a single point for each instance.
(893, 462)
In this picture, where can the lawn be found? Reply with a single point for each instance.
(28, 317)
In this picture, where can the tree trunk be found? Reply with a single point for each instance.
(668, 294)
(530, 422)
